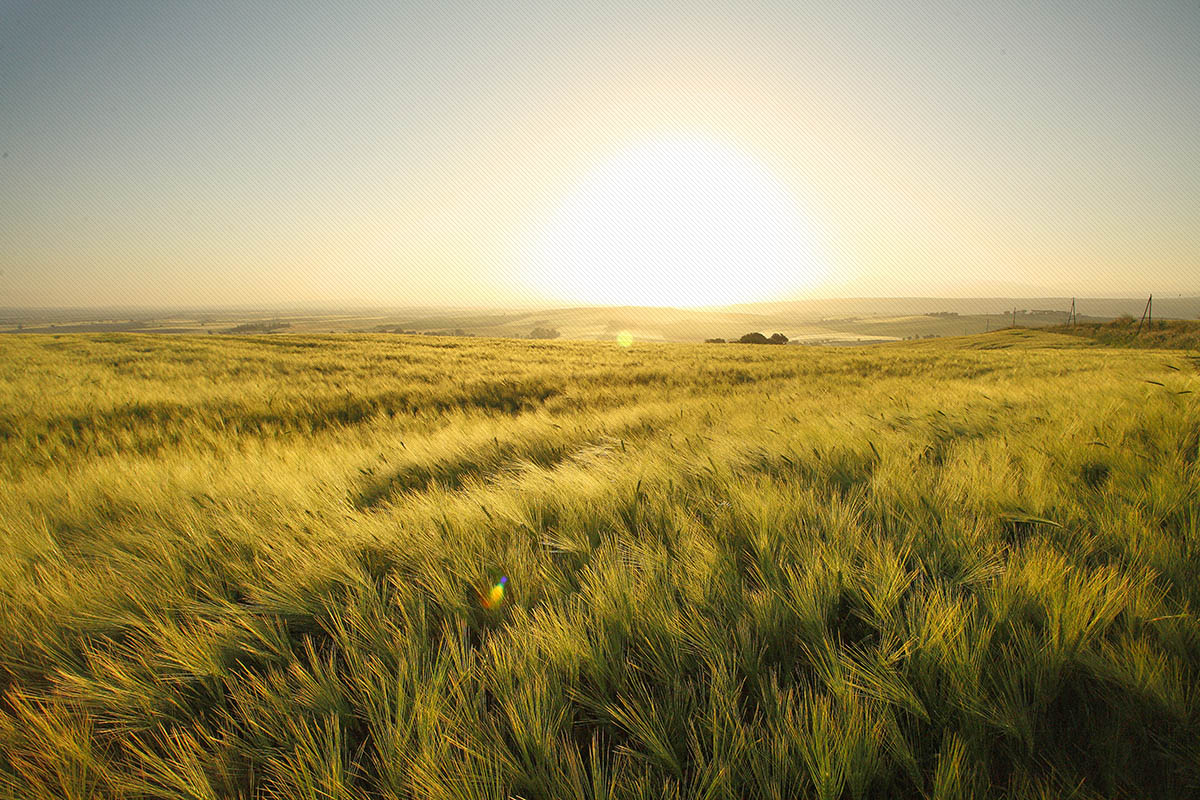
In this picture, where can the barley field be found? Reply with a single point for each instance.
(421, 567)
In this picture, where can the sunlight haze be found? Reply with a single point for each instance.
(681, 222)
(609, 153)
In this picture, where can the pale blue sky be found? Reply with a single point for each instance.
(220, 153)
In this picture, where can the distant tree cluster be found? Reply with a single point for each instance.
(409, 332)
(259, 327)
(455, 332)
(544, 333)
(758, 338)
(753, 338)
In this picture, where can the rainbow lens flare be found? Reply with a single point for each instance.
(495, 595)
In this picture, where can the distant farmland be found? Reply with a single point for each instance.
(849, 321)
(271, 566)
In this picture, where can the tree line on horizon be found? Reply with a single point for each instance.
(753, 338)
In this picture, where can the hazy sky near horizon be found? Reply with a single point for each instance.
(492, 153)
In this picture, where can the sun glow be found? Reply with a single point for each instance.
(677, 222)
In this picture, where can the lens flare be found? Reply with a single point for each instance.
(625, 339)
(495, 595)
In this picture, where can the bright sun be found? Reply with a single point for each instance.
(678, 222)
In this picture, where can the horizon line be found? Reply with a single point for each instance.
(314, 305)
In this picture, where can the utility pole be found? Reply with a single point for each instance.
(1014, 316)
(1072, 318)
(1146, 316)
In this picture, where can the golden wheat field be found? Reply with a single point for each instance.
(421, 567)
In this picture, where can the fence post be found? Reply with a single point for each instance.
(1145, 315)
